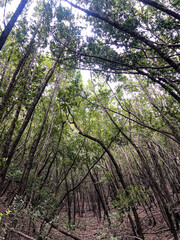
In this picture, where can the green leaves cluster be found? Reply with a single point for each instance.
(128, 198)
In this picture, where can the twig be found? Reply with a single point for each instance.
(134, 237)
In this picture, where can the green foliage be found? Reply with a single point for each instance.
(129, 101)
(129, 198)
(15, 174)
(1, 217)
(3, 162)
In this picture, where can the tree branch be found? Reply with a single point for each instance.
(161, 7)
(130, 32)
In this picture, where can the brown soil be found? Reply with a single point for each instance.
(89, 228)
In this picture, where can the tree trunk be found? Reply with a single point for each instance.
(10, 25)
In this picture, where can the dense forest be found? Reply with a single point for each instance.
(97, 158)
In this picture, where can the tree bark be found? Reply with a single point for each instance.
(162, 8)
(11, 23)
(25, 122)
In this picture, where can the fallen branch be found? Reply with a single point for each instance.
(19, 233)
(63, 232)
(134, 237)
(159, 231)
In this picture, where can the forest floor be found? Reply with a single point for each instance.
(88, 227)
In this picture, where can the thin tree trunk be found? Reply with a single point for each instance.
(100, 198)
(10, 25)
(26, 121)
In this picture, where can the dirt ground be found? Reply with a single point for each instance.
(89, 228)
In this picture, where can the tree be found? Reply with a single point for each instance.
(125, 42)
(10, 25)
(111, 145)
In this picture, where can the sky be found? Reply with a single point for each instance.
(10, 8)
